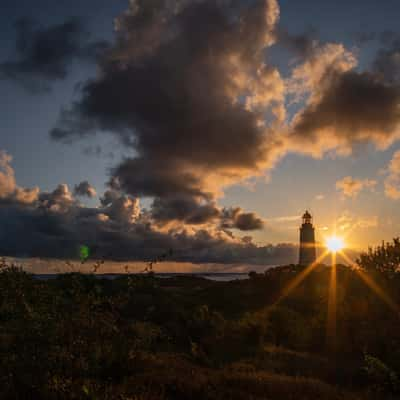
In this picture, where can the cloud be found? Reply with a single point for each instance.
(287, 218)
(349, 222)
(7, 178)
(303, 45)
(85, 189)
(321, 62)
(351, 187)
(54, 224)
(57, 226)
(123, 209)
(59, 201)
(248, 222)
(97, 151)
(387, 60)
(392, 180)
(186, 88)
(186, 209)
(353, 108)
(236, 218)
(30, 232)
(195, 211)
(45, 54)
(344, 107)
(10, 192)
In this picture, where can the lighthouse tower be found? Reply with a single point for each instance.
(307, 241)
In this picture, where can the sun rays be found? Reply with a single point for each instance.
(335, 247)
(367, 279)
(300, 277)
(332, 305)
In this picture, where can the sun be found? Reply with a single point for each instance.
(334, 244)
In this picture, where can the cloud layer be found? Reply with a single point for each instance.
(54, 224)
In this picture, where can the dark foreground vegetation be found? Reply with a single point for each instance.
(144, 338)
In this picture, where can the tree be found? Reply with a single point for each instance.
(384, 258)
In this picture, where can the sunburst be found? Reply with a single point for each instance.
(335, 246)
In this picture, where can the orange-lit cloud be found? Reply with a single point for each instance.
(351, 187)
(9, 190)
(392, 181)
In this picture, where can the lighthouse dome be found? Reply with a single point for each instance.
(307, 215)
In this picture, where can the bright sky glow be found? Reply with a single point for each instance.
(334, 244)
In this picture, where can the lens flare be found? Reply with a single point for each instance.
(334, 244)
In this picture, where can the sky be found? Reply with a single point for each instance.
(197, 131)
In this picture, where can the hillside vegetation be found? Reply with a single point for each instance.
(140, 337)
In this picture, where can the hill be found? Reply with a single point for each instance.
(141, 337)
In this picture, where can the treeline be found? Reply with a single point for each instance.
(140, 337)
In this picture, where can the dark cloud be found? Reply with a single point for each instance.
(45, 54)
(186, 88)
(119, 232)
(54, 224)
(97, 151)
(154, 177)
(84, 188)
(248, 222)
(384, 38)
(341, 108)
(236, 218)
(302, 45)
(387, 60)
(108, 197)
(351, 108)
(195, 211)
(184, 209)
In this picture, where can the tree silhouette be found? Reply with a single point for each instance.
(384, 258)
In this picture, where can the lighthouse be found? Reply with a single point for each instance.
(307, 241)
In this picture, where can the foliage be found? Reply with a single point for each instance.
(383, 379)
(384, 258)
(141, 337)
